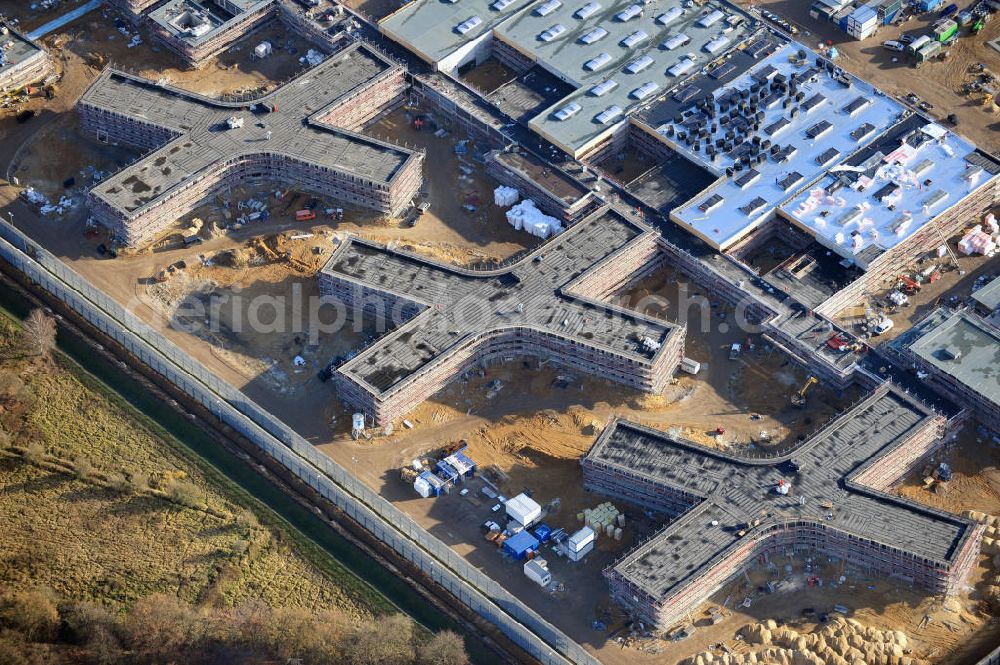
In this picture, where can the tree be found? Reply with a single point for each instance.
(385, 641)
(38, 334)
(161, 625)
(445, 648)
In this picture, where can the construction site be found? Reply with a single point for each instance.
(670, 321)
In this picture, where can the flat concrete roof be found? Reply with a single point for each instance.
(568, 54)
(197, 21)
(814, 125)
(15, 48)
(989, 295)
(458, 306)
(429, 28)
(885, 194)
(961, 345)
(733, 490)
(202, 140)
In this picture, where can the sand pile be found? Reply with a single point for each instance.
(840, 642)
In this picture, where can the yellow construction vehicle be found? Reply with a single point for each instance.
(799, 398)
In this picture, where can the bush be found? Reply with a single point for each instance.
(82, 467)
(33, 613)
(119, 483)
(445, 648)
(184, 493)
(81, 621)
(34, 452)
(161, 625)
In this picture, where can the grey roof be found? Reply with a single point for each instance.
(458, 306)
(201, 140)
(429, 27)
(961, 345)
(15, 48)
(989, 295)
(177, 16)
(735, 490)
(567, 55)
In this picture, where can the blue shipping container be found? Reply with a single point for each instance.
(520, 544)
(928, 5)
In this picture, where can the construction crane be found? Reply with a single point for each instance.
(799, 397)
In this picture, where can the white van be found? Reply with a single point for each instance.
(894, 45)
(884, 326)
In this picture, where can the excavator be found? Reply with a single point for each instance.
(799, 397)
(908, 285)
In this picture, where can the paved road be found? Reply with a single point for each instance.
(68, 17)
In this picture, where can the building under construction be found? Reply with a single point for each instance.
(303, 135)
(828, 494)
(958, 353)
(550, 305)
(196, 30)
(22, 61)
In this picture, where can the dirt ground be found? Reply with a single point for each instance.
(938, 82)
(529, 434)
(954, 286)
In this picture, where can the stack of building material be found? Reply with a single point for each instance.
(977, 241)
(603, 519)
(525, 216)
(505, 196)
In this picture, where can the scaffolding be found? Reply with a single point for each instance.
(190, 161)
(727, 513)
(549, 305)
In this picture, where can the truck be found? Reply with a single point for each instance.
(734, 351)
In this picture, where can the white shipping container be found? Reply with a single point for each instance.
(690, 366)
(578, 555)
(580, 539)
(537, 571)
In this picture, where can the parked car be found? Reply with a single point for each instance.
(906, 38)
(893, 45)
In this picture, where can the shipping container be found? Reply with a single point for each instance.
(537, 571)
(520, 545)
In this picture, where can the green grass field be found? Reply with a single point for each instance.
(88, 539)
